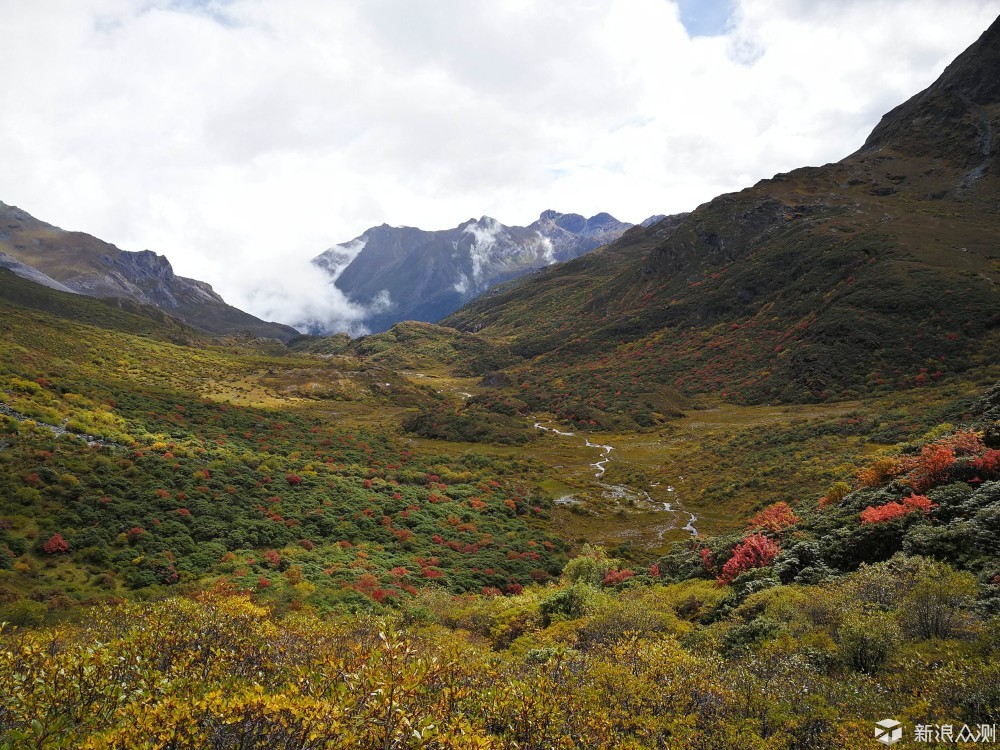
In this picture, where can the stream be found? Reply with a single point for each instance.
(619, 491)
(616, 491)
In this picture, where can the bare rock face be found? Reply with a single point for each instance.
(151, 276)
(31, 274)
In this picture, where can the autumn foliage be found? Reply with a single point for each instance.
(755, 551)
(938, 462)
(774, 518)
(56, 545)
(891, 511)
(614, 577)
(879, 471)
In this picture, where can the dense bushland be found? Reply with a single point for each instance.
(575, 665)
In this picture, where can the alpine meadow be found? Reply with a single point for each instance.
(721, 480)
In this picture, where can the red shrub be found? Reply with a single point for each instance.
(931, 466)
(707, 561)
(614, 577)
(891, 511)
(756, 551)
(366, 584)
(935, 461)
(988, 463)
(56, 545)
(134, 533)
(272, 558)
(774, 518)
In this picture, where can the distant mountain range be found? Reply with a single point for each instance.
(395, 273)
(405, 273)
(82, 264)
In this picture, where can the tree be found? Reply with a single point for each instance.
(590, 566)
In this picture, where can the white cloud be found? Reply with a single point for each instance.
(303, 296)
(484, 234)
(243, 137)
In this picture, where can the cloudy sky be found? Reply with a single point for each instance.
(243, 137)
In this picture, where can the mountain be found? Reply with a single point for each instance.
(262, 512)
(879, 272)
(405, 273)
(80, 263)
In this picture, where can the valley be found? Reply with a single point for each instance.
(724, 480)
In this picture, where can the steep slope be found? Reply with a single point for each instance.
(31, 274)
(18, 295)
(880, 271)
(83, 264)
(405, 273)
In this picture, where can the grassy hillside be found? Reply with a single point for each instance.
(801, 631)
(157, 464)
(878, 273)
(804, 288)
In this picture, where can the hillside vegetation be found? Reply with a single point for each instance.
(152, 464)
(730, 482)
(877, 273)
(313, 583)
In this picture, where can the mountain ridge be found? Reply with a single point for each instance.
(83, 264)
(877, 271)
(407, 273)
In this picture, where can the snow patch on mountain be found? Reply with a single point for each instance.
(337, 258)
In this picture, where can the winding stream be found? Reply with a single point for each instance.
(621, 491)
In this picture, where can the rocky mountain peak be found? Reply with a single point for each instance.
(956, 117)
(144, 264)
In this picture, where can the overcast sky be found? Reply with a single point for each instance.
(243, 137)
